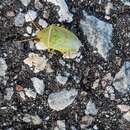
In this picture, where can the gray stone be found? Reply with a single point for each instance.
(109, 93)
(42, 23)
(19, 20)
(30, 15)
(3, 67)
(60, 100)
(127, 116)
(86, 121)
(108, 8)
(60, 125)
(91, 108)
(38, 85)
(29, 29)
(106, 80)
(38, 4)
(95, 84)
(25, 2)
(22, 95)
(61, 79)
(9, 93)
(95, 127)
(123, 108)
(32, 119)
(126, 2)
(36, 120)
(27, 118)
(122, 78)
(1, 97)
(64, 13)
(30, 93)
(10, 14)
(35, 62)
(98, 33)
(11, 128)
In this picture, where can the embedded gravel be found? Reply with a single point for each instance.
(42, 90)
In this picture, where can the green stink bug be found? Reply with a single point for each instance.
(58, 38)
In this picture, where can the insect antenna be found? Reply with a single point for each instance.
(32, 38)
(37, 26)
(25, 40)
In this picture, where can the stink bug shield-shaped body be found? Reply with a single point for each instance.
(58, 38)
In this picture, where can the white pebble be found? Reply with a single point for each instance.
(40, 46)
(49, 69)
(126, 2)
(42, 23)
(60, 125)
(108, 10)
(71, 55)
(95, 127)
(38, 4)
(29, 29)
(60, 100)
(9, 93)
(86, 121)
(123, 108)
(109, 93)
(61, 79)
(19, 20)
(36, 120)
(32, 119)
(122, 78)
(38, 85)
(61, 62)
(30, 93)
(22, 95)
(95, 84)
(25, 2)
(35, 62)
(10, 14)
(91, 108)
(64, 13)
(127, 116)
(3, 67)
(98, 32)
(32, 44)
(27, 118)
(30, 15)
(26, 35)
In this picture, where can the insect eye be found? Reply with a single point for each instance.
(37, 39)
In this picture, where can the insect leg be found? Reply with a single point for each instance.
(34, 24)
(49, 36)
(68, 52)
